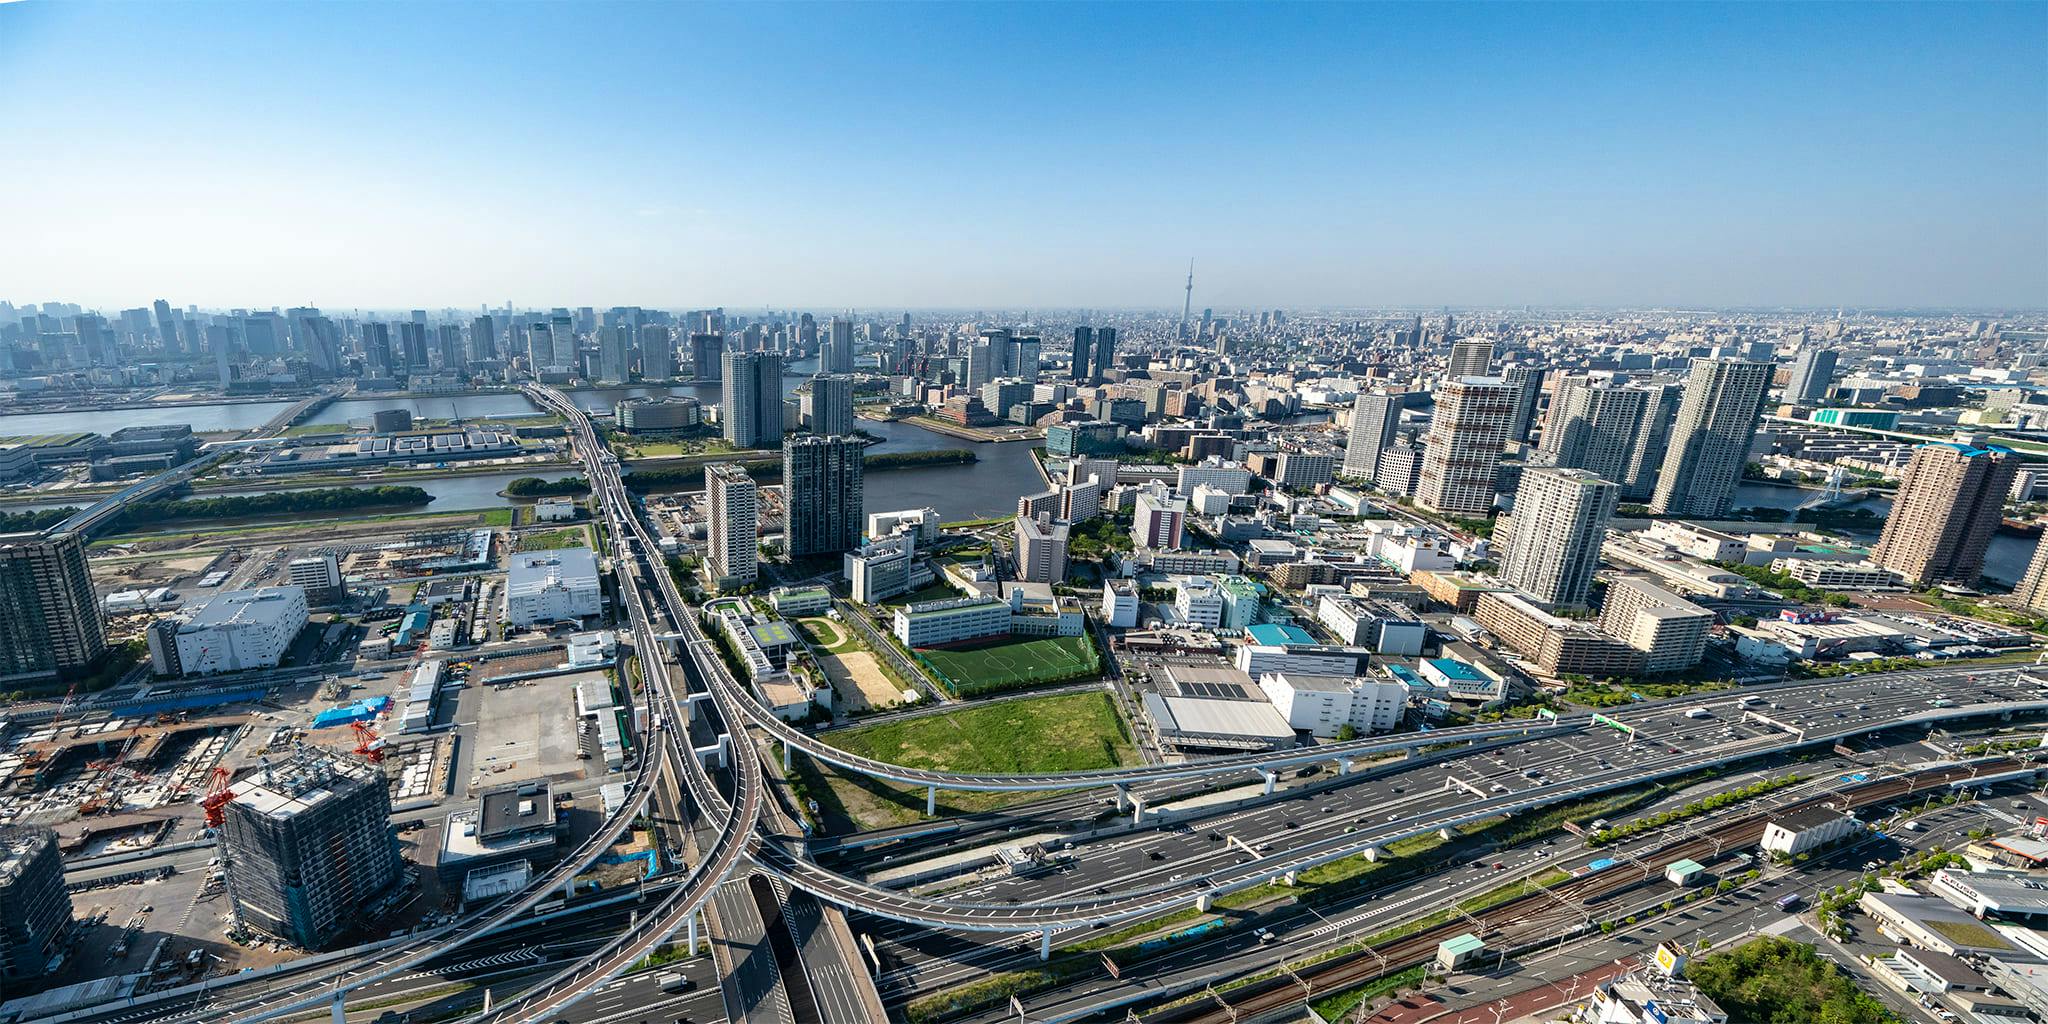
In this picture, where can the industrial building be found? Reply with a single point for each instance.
(233, 632)
(1806, 829)
(885, 568)
(1324, 705)
(308, 849)
(319, 576)
(512, 824)
(552, 586)
(35, 908)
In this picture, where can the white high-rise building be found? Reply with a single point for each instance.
(562, 338)
(657, 353)
(1461, 453)
(1710, 440)
(828, 405)
(1041, 550)
(1592, 426)
(1553, 538)
(1470, 358)
(732, 548)
(752, 411)
(1374, 419)
(882, 569)
(1670, 630)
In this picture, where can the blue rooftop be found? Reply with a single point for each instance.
(1970, 451)
(1271, 634)
(1452, 668)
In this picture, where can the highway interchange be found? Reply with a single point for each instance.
(702, 777)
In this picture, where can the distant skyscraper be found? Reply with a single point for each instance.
(562, 338)
(1949, 504)
(706, 350)
(1084, 340)
(658, 353)
(1528, 382)
(1023, 357)
(822, 493)
(1105, 350)
(1710, 439)
(1471, 358)
(166, 325)
(1374, 418)
(828, 406)
(452, 357)
(412, 344)
(614, 345)
(377, 348)
(1552, 539)
(49, 615)
(1461, 452)
(1812, 373)
(981, 359)
(732, 528)
(1592, 426)
(752, 412)
(483, 338)
(837, 355)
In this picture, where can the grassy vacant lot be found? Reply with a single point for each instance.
(1013, 663)
(1069, 732)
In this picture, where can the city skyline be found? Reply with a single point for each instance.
(1031, 157)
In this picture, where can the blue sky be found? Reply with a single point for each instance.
(978, 155)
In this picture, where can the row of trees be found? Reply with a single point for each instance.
(326, 499)
(535, 487)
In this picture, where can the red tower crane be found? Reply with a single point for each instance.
(369, 745)
(217, 796)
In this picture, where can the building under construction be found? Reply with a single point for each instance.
(308, 847)
(35, 908)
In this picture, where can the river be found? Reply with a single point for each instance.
(2004, 560)
(988, 487)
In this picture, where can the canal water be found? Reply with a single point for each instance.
(2004, 560)
(988, 487)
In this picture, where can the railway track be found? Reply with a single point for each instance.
(1544, 915)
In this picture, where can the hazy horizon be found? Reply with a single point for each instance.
(985, 157)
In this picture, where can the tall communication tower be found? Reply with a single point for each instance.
(1187, 303)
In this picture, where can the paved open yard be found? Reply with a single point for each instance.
(523, 730)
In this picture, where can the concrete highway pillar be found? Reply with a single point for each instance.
(1123, 797)
(693, 932)
(1202, 903)
(1446, 834)
(1374, 853)
(1346, 765)
(931, 801)
(785, 758)
(1271, 779)
(725, 750)
(1045, 944)
(339, 1009)
(1290, 878)
(569, 889)
(1137, 809)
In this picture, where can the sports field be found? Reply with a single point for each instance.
(1066, 732)
(1010, 664)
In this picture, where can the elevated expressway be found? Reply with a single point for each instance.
(744, 829)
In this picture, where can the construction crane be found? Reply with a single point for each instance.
(217, 796)
(369, 745)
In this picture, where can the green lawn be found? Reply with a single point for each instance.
(567, 537)
(934, 591)
(1011, 664)
(1068, 732)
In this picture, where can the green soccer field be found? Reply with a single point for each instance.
(1013, 663)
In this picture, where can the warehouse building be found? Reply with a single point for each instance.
(552, 586)
(1808, 828)
(308, 848)
(514, 823)
(1324, 705)
(238, 630)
